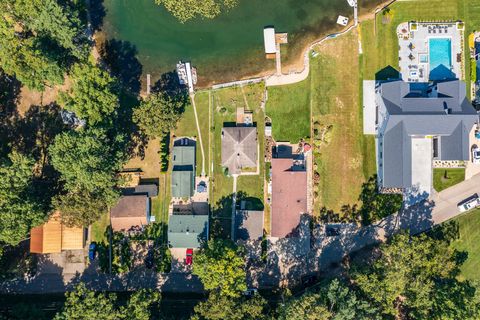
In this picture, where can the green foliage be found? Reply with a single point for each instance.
(163, 259)
(416, 277)
(220, 265)
(190, 9)
(84, 304)
(19, 210)
(38, 38)
(376, 205)
(80, 208)
(121, 253)
(334, 300)
(92, 95)
(221, 307)
(158, 114)
(88, 160)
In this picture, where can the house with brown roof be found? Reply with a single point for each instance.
(131, 212)
(53, 237)
(289, 196)
(239, 148)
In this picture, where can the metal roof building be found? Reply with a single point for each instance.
(183, 172)
(187, 231)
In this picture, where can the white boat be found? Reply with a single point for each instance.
(343, 21)
(352, 3)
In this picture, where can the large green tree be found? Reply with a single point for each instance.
(334, 300)
(19, 210)
(84, 304)
(38, 39)
(82, 208)
(158, 114)
(92, 95)
(190, 9)
(221, 266)
(221, 307)
(87, 159)
(415, 277)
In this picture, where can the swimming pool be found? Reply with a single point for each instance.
(440, 54)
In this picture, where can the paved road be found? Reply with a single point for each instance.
(288, 260)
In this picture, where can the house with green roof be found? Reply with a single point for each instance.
(183, 172)
(187, 231)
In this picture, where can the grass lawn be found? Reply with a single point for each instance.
(289, 108)
(99, 227)
(454, 176)
(344, 157)
(148, 162)
(187, 127)
(469, 241)
(225, 103)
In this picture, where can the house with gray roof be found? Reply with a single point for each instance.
(183, 171)
(187, 230)
(239, 148)
(415, 124)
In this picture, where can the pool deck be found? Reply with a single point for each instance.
(414, 58)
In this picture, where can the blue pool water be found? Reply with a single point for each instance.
(440, 52)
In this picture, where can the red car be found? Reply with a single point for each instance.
(189, 258)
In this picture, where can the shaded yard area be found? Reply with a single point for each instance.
(469, 241)
(289, 108)
(344, 158)
(147, 159)
(445, 178)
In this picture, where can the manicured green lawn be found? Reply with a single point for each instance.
(469, 241)
(99, 227)
(225, 103)
(289, 108)
(445, 178)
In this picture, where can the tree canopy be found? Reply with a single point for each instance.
(221, 266)
(92, 95)
(87, 159)
(19, 210)
(84, 304)
(82, 208)
(158, 114)
(38, 39)
(221, 307)
(415, 277)
(190, 9)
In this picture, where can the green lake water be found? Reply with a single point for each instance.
(226, 48)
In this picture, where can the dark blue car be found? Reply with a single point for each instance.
(92, 251)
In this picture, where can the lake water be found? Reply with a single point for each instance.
(227, 47)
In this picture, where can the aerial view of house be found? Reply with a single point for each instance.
(260, 159)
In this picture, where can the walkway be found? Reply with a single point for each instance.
(234, 206)
(192, 98)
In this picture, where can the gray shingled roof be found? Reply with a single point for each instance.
(416, 109)
(187, 231)
(239, 148)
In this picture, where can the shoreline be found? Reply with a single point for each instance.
(299, 67)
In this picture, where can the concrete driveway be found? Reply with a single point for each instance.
(446, 201)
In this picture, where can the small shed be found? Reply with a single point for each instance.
(269, 40)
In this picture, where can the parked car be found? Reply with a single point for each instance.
(475, 154)
(92, 251)
(469, 203)
(189, 257)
